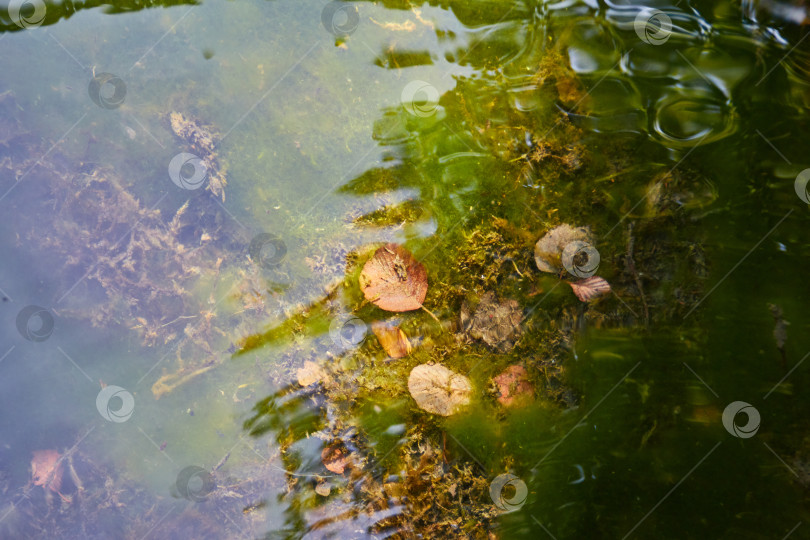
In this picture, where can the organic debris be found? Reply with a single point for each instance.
(513, 386)
(394, 280)
(779, 330)
(438, 390)
(46, 470)
(203, 142)
(495, 323)
(392, 339)
(310, 373)
(549, 249)
(433, 490)
(431, 487)
(336, 457)
(590, 288)
(323, 489)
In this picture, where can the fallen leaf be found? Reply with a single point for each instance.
(323, 489)
(310, 373)
(335, 457)
(548, 250)
(392, 338)
(394, 280)
(438, 390)
(46, 470)
(590, 288)
(514, 387)
(496, 323)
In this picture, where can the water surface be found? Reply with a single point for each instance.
(171, 317)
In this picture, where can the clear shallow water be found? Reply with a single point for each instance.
(427, 116)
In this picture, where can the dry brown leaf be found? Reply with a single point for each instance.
(548, 250)
(514, 388)
(310, 373)
(590, 288)
(323, 489)
(46, 470)
(438, 390)
(336, 457)
(392, 339)
(394, 280)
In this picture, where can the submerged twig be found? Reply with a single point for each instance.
(779, 331)
(631, 265)
(435, 318)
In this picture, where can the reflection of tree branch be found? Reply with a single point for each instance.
(56, 11)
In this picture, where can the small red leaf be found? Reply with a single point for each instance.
(336, 457)
(590, 288)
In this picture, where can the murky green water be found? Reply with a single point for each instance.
(159, 385)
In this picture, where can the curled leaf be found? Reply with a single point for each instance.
(392, 339)
(336, 457)
(549, 249)
(590, 288)
(438, 390)
(323, 489)
(46, 470)
(394, 280)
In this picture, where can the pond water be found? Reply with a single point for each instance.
(190, 193)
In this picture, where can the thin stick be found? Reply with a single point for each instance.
(432, 315)
(632, 267)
